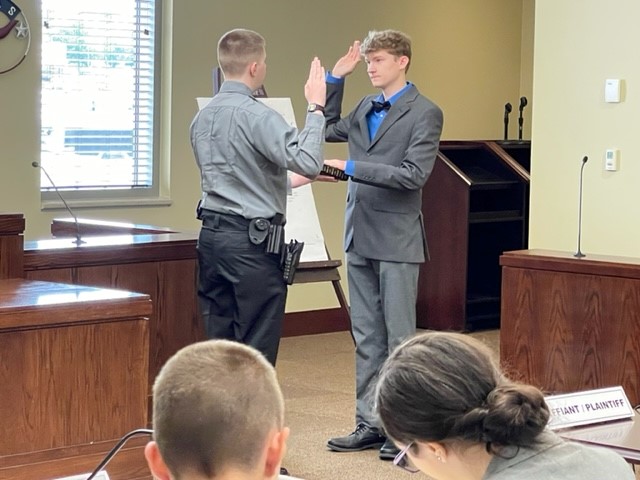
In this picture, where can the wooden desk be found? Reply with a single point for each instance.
(571, 324)
(161, 266)
(66, 227)
(623, 437)
(73, 378)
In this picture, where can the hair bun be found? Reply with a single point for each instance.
(516, 415)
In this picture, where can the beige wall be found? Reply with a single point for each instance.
(578, 45)
(467, 58)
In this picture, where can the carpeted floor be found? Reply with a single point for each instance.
(317, 377)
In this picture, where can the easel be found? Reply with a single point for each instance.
(324, 271)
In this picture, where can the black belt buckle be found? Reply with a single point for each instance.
(258, 230)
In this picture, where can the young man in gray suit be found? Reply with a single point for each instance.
(393, 141)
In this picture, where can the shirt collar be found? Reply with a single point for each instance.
(396, 95)
(233, 86)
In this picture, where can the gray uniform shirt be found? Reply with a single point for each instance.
(557, 459)
(244, 149)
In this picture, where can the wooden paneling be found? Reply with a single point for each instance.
(161, 266)
(571, 324)
(11, 245)
(74, 375)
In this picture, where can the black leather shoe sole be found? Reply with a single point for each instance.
(357, 448)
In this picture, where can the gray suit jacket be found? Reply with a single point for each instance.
(383, 219)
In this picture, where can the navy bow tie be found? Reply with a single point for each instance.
(380, 106)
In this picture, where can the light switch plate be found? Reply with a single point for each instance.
(612, 90)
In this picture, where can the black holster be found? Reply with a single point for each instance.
(271, 231)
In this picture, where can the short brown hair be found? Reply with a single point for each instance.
(239, 48)
(393, 41)
(214, 405)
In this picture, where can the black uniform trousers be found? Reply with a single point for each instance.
(241, 291)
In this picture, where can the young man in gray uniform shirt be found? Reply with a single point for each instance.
(244, 150)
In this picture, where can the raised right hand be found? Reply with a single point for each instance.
(347, 63)
(315, 90)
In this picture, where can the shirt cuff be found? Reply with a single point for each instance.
(350, 168)
(331, 79)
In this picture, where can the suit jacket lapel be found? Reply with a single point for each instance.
(399, 109)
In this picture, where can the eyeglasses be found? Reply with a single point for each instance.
(401, 460)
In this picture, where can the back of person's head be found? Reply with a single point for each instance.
(396, 43)
(216, 406)
(239, 48)
(448, 387)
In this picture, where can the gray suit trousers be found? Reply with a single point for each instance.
(383, 314)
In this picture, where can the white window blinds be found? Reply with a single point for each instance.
(98, 94)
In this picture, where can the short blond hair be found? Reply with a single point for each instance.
(214, 405)
(392, 41)
(238, 49)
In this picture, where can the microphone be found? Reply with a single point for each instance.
(523, 103)
(578, 253)
(507, 111)
(116, 449)
(78, 241)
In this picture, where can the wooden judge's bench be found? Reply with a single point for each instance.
(73, 371)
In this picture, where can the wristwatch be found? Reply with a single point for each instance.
(314, 107)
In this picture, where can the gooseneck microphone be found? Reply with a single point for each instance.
(78, 241)
(579, 253)
(523, 103)
(507, 111)
(116, 449)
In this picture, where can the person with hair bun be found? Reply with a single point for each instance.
(444, 401)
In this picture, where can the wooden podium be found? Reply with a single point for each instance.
(475, 207)
(571, 324)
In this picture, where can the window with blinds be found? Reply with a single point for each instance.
(97, 112)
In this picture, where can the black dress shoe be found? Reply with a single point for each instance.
(388, 451)
(284, 471)
(364, 437)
